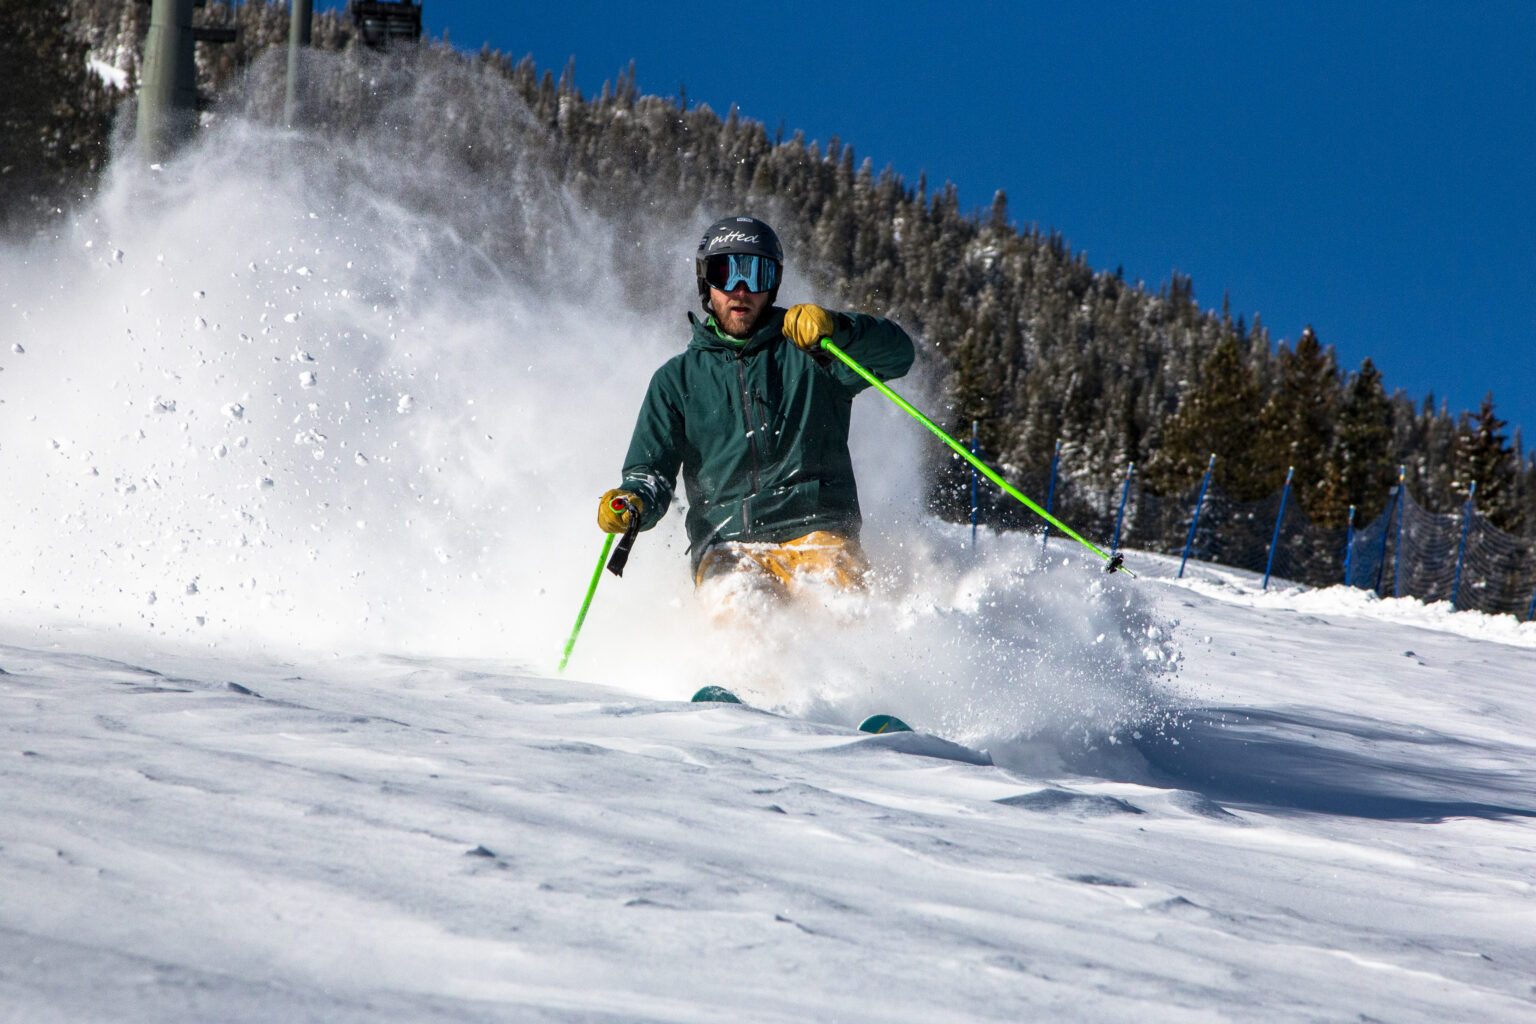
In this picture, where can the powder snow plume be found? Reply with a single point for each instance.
(343, 393)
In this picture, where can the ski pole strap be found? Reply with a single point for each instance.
(631, 531)
(597, 574)
(983, 468)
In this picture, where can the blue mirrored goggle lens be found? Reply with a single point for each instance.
(726, 271)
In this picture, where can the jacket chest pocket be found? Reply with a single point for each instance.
(769, 419)
(777, 408)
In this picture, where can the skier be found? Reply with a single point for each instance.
(756, 416)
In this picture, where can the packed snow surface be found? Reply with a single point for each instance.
(301, 464)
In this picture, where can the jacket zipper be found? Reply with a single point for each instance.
(752, 444)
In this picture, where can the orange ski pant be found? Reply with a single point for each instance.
(821, 557)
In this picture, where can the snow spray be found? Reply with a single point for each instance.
(335, 393)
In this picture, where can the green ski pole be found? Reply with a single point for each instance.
(597, 574)
(1116, 563)
(616, 566)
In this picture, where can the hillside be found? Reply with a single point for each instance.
(1021, 336)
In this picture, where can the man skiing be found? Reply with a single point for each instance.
(756, 416)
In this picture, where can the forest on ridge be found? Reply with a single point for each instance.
(1018, 333)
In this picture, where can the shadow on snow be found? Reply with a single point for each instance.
(1333, 764)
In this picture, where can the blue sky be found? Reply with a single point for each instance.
(1367, 168)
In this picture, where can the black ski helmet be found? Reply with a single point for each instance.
(743, 236)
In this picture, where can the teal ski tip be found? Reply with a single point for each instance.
(881, 723)
(719, 694)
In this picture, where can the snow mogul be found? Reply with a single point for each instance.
(756, 415)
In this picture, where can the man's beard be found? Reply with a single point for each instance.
(747, 331)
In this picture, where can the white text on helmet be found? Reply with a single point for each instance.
(732, 236)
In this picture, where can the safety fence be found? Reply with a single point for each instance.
(1407, 551)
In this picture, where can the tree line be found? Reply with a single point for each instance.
(1018, 333)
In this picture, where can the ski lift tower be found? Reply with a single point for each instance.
(300, 16)
(381, 23)
(168, 100)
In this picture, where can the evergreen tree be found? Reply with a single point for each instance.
(1298, 421)
(55, 113)
(1484, 457)
(1431, 461)
(1359, 469)
(1218, 416)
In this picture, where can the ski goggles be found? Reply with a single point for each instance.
(727, 270)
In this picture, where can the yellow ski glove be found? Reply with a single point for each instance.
(806, 325)
(611, 519)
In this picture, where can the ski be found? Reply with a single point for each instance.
(883, 723)
(874, 723)
(717, 694)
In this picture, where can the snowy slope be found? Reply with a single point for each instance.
(388, 838)
(299, 482)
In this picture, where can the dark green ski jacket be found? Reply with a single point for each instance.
(760, 430)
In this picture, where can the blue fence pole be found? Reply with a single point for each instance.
(1397, 554)
(1275, 540)
(1120, 518)
(1461, 552)
(1386, 531)
(1195, 522)
(1386, 528)
(1050, 496)
(1349, 544)
(975, 450)
(1530, 613)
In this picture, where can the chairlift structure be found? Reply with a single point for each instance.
(380, 23)
(168, 98)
